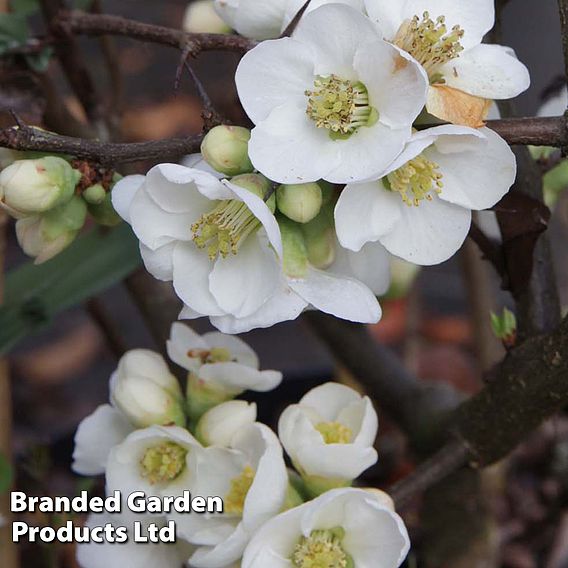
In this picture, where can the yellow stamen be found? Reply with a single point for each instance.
(340, 106)
(334, 432)
(240, 486)
(416, 180)
(429, 42)
(163, 463)
(322, 549)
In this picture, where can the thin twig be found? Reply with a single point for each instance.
(295, 20)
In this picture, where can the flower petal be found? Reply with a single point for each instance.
(123, 193)
(342, 297)
(488, 71)
(287, 70)
(96, 436)
(182, 340)
(240, 351)
(240, 377)
(430, 233)
(160, 262)
(451, 105)
(476, 177)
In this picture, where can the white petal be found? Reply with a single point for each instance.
(397, 85)
(188, 313)
(329, 399)
(160, 262)
(182, 340)
(283, 305)
(96, 436)
(197, 162)
(287, 70)
(428, 234)
(240, 351)
(123, 193)
(241, 283)
(288, 147)
(556, 105)
(191, 279)
(367, 152)
(294, 6)
(476, 17)
(342, 297)
(335, 32)
(261, 211)
(174, 188)
(224, 554)
(479, 176)
(364, 213)
(155, 227)
(240, 377)
(488, 71)
(259, 20)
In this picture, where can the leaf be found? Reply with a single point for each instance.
(6, 474)
(35, 294)
(13, 30)
(25, 7)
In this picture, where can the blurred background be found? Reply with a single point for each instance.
(438, 321)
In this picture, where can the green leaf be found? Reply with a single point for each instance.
(6, 474)
(13, 30)
(24, 7)
(39, 62)
(35, 294)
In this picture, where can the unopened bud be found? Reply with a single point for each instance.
(95, 194)
(219, 424)
(294, 247)
(300, 202)
(104, 213)
(201, 17)
(144, 389)
(259, 185)
(225, 148)
(28, 187)
(321, 243)
(45, 236)
(505, 327)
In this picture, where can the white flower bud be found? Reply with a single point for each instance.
(145, 391)
(257, 184)
(28, 187)
(201, 17)
(225, 148)
(218, 425)
(299, 202)
(45, 236)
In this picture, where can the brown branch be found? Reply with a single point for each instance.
(563, 8)
(77, 22)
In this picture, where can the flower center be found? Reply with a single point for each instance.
(163, 463)
(340, 106)
(334, 432)
(223, 230)
(416, 180)
(214, 355)
(322, 549)
(429, 42)
(240, 486)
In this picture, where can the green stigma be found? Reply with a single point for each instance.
(223, 230)
(235, 500)
(340, 106)
(416, 180)
(429, 42)
(334, 432)
(163, 463)
(322, 549)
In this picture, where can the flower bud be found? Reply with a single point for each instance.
(294, 247)
(225, 148)
(45, 236)
(218, 425)
(201, 17)
(28, 187)
(95, 194)
(300, 202)
(321, 243)
(146, 392)
(257, 184)
(104, 213)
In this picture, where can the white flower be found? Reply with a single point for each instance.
(329, 435)
(218, 426)
(286, 87)
(253, 481)
(220, 367)
(218, 242)
(555, 105)
(267, 20)
(201, 17)
(145, 390)
(96, 436)
(344, 527)
(153, 460)
(128, 554)
(421, 208)
(445, 37)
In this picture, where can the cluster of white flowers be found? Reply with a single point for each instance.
(155, 439)
(339, 171)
